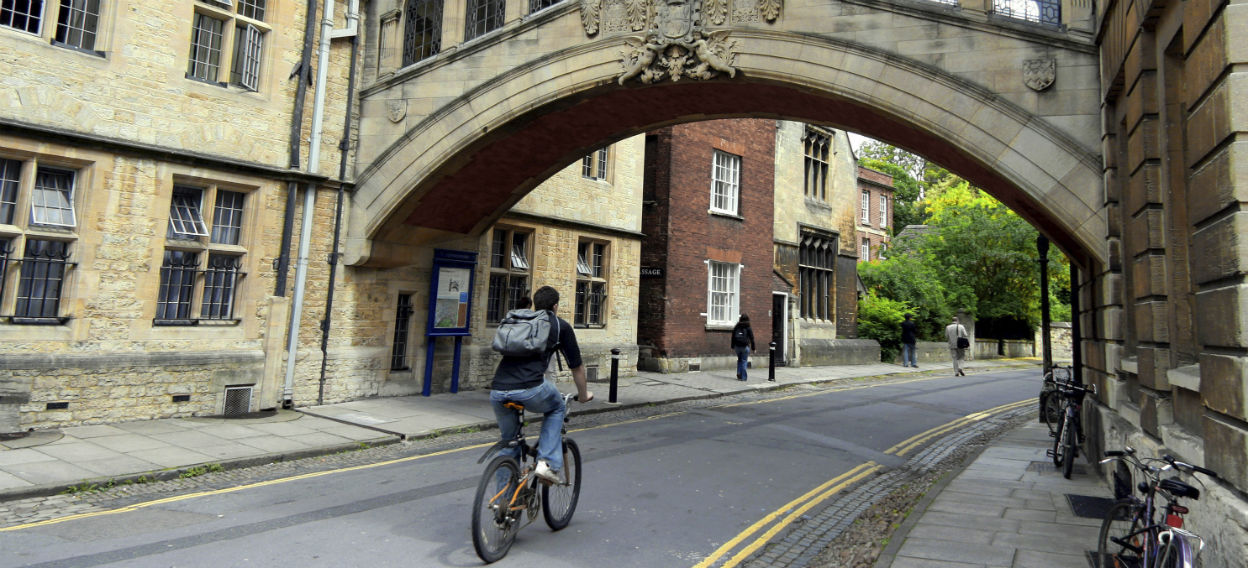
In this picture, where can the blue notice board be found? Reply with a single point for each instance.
(450, 307)
(450, 300)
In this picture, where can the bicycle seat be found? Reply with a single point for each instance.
(1179, 489)
(514, 406)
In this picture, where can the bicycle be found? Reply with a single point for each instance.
(509, 490)
(1069, 433)
(1050, 402)
(1130, 537)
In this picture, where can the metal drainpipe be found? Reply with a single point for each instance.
(296, 135)
(309, 204)
(350, 31)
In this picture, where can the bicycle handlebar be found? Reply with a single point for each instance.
(1189, 467)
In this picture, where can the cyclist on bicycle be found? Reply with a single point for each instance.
(520, 379)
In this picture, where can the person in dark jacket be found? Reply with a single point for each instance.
(909, 339)
(521, 379)
(742, 344)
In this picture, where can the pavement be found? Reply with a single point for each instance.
(1006, 508)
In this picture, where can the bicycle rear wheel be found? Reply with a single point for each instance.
(494, 525)
(559, 500)
(1122, 538)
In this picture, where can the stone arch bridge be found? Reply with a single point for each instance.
(1088, 119)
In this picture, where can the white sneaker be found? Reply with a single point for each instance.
(544, 472)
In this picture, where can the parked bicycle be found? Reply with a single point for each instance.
(1068, 436)
(509, 492)
(1135, 534)
(1050, 399)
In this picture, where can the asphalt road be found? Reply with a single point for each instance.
(694, 485)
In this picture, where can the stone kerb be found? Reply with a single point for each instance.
(876, 79)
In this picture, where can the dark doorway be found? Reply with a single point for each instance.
(779, 318)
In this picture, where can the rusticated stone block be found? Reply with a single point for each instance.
(1213, 186)
(1217, 250)
(1155, 411)
(1226, 450)
(1209, 124)
(1220, 317)
(1143, 189)
(1206, 59)
(1153, 364)
(1224, 384)
(1150, 322)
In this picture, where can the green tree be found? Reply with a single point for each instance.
(974, 254)
(908, 277)
(982, 243)
(880, 319)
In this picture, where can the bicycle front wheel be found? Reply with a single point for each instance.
(1121, 544)
(1070, 437)
(1059, 447)
(559, 499)
(1051, 410)
(494, 524)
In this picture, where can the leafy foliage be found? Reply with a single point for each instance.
(880, 319)
(971, 253)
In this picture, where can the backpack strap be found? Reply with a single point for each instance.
(556, 331)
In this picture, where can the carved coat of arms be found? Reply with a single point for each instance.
(1039, 74)
(673, 42)
(396, 109)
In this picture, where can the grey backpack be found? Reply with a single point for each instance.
(526, 333)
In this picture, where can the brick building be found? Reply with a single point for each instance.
(875, 213)
(746, 216)
(706, 257)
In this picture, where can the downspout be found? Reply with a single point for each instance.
(309, 203)
(296, 136)
(343, 147)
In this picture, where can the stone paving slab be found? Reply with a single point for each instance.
(951, 524)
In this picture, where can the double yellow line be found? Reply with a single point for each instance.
(910, 444)
(791, 511)
(795, 509)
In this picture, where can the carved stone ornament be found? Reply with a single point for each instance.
(770, 9)
(1039, 74)
(676, 46)
(396, 109)
(590, 15)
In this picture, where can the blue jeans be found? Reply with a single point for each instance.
(743, 359)
(544, 398)
(909, 357)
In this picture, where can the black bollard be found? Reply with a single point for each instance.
(771, 362)
(615, 374)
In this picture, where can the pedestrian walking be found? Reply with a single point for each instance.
(958, 343)
(909, 339)
(742, 344)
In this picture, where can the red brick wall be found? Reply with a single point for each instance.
(680, 229)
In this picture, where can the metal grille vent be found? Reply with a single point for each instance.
(237, 401)
(591, 373)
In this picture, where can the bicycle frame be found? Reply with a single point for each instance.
(1165, 543)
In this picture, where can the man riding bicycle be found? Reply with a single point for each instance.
(521, 380)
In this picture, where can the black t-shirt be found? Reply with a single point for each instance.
(516, 373)
(908, 331)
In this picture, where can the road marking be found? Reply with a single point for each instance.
(797, 507)
(905, 446)
(312, 475)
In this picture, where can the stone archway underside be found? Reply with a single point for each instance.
(488, 154)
